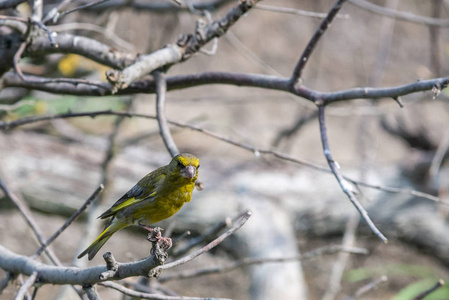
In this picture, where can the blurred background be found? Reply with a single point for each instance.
(56, 165)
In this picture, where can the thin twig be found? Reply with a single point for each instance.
(91, 292)
(33, 296)
(25, 286)
(8, 125)
(421, 296)
(438, 158)
(26, 214)
(346, 188)
(257, 261)
(299, 12)
(16, 60)
(185, 47)
(84, 6)
(10, 79)
(72, 218)
(242, 220)
(207, 235)
(119, 42)
(159, 6)
(37, 10)
(133, 293)
(297, 72)
(5, 281)
(338, 267)
(161, 89)
(399, 15)
(367, 287)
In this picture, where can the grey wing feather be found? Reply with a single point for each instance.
(135, 191)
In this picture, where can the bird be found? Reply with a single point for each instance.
(156, 197)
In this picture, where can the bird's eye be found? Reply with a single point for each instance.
(198, 166)
(180, 164)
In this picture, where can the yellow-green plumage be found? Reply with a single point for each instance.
(156, 197)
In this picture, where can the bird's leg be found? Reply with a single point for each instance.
(155, 236)
(149, 229)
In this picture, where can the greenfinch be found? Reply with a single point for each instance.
(157, 196)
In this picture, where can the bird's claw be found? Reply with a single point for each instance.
(160, 244)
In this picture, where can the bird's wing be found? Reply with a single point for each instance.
(145, 189)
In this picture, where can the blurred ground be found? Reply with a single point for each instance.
(345, 58)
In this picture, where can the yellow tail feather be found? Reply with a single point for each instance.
(101, 240)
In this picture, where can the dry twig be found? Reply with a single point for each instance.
(69, 221)
(133, 293)
(368, 287)
(242, 220)
(305, 56)
(345, 186)
(421, 296)
(8, 125)
(161, 89)
(257, 261)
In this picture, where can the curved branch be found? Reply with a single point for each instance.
(164, 6)
(346, 188)
(185, 47)
(400, 15)
(271, 82)
(26, 214)
(28, 120)
(72, 218)
(26, 285)
(84, 46)
(249, 261)
(239, 222)
(141, 295)
(15, 263)
(161, 89)
(297, 72)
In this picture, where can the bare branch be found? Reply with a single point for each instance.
(368, 287)
(238, 79)
(26, 214)
(114, 38)
(399, 15)
(133, 293)
(162, 6)
(72, 218)
(242, 220)
(185, 47)
(37, 10)
(25, 286)
(83, 6)
(15, 263)
(5, 281)
(111, 265)
(299, 12)
(305, 56)
(19, 264)
(421, 296)
(257, 261)
(208, 235)
(8, 125)
(161, 89)
(346, 188)
(91, 292)
(87, 47)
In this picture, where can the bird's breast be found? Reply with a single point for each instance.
(164, 205)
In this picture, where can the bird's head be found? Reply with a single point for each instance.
(186, 164)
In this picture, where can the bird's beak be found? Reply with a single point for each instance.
(189, 172)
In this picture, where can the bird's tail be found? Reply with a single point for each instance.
(101, 240)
